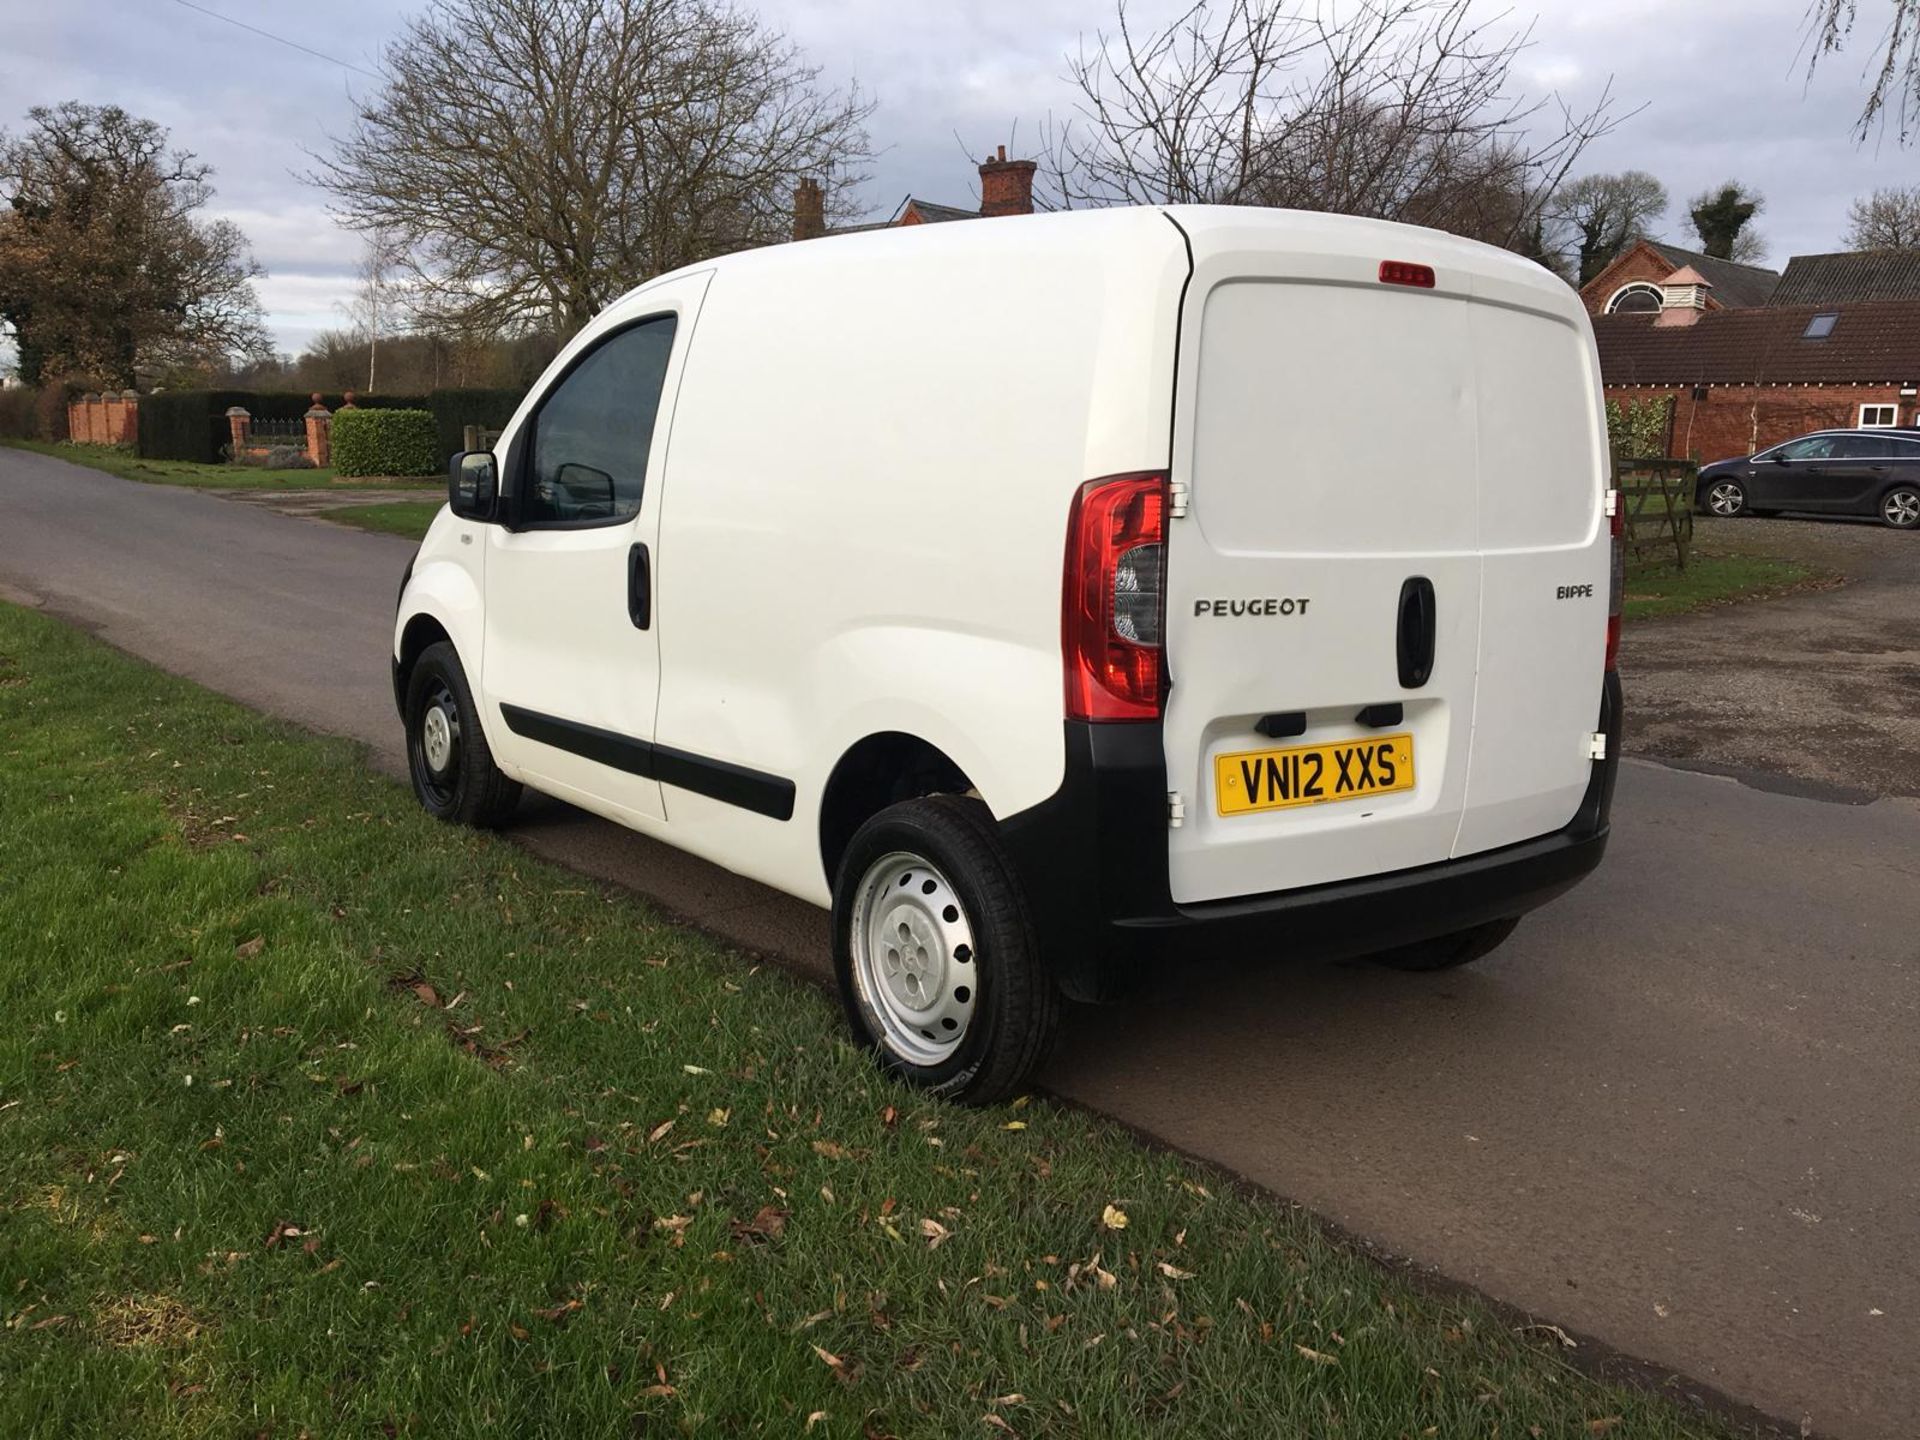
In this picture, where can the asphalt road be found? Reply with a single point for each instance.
(1676, 1113)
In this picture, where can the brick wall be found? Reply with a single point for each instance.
(109, 419)
(1734, 420)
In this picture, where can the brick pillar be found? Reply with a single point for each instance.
(1006, 186)
(129, 433)
(95, 430)
(77, 420)
(111, 406)
(240, 426)
(319, 434)
(809, 210)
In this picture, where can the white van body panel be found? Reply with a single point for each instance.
(877, 441)
(1339, 437)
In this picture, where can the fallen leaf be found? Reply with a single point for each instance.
(1114, 1218)
(769, 1223)
(831, 1149)
(427, 994)
(1014, 1125)
(660, 1391)
(250, 948)
(696, 1070)
(718, 1118)
(1316, 1356)
(559, 1312)
(815, 1418)
(1174, 1272)
(889, 1117)
(934, 1231)
(658, 1131)
(1600, 1427)
(829, 1359)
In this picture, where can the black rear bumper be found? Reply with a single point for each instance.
(1093, 861)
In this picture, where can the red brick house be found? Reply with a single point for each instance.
(1006, 188)
(1631, 283)
(1741, 380)
(1835, 342)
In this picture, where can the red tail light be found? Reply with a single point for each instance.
(1617, 586)
(1112, 605)
(1405, 272)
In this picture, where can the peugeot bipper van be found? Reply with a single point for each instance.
(1056, 598)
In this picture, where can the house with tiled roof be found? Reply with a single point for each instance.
(1848, 276)
(1006, 188)
(1743, 358)
(1632, 281)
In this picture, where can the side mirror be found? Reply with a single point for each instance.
(1778, 458)
(473, 484)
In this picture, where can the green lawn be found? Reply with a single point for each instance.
(317, 1117)
(400, 517)
(129, 466)
(1714, 579)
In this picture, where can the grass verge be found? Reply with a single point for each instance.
(399, 517)
(317, 1117)
(1715, 579)
(129, 466)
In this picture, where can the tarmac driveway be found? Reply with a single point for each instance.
(1822, 687)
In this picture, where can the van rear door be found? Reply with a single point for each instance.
(1329, 620)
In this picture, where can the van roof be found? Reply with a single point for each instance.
(1205, 228)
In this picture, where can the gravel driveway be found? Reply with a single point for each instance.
(1822, 687)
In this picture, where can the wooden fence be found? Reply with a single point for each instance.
(1657, 497)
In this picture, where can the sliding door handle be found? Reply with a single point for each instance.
(639, 587)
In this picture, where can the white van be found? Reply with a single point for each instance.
(1056, 598)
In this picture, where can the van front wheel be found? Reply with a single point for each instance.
(448, 760)
(938, 967)
(1444, 952)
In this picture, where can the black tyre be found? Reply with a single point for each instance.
(1444, 952)
(1726, 498)
(1900, 507)
(447, 756)
(935, 953)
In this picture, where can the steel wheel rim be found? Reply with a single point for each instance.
(1902, 508)
(914, 957)
(436, 743)
(1724, 499)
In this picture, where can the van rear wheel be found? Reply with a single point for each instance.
(935, 954)
(1444, 952)
(448, 761)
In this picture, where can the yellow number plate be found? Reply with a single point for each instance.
(1251, 780)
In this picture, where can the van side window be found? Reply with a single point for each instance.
(593, 430)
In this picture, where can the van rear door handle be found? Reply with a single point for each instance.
(1415, 631)
(639, 587)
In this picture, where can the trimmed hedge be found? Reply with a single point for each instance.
(385, 442)
(192, 424)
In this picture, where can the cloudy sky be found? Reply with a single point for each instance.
(1722, 82)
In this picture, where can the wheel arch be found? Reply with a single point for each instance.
(876, 771)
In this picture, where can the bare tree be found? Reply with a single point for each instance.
(106, 269)
(378, 295)
(1597, 216)
(1721, 217)
(535, 158)
(1831, 25)
(1885, 220)
(1399, 109)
